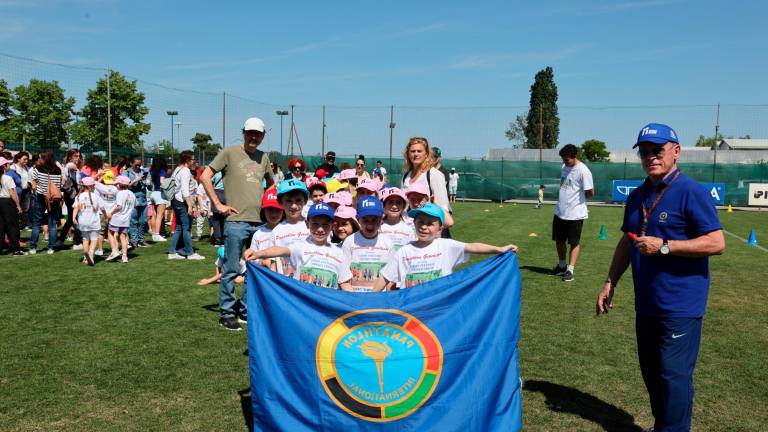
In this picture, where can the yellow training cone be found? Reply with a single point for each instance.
(532, 235)
(730, 208)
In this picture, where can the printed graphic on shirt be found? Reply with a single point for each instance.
(318, 277)
(365, 275)
(412, 279)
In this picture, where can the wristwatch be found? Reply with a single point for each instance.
(664, 248)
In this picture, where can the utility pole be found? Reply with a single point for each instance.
(109, 118)
(541, 141)
(391, 132)
(322, 141)
(717, 132)
(224, 120)
(289, 150)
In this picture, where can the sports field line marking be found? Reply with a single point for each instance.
(745, 240)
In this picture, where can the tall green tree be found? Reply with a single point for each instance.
(204, 148)
(544, 104)
(594, 151)
(6, 112)
(127, 111)
(43, 114)
(516, 131)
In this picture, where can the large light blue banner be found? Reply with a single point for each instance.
(438, 356)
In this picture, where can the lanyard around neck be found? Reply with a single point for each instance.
(647, 212)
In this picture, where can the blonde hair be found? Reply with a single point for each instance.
(429, 160)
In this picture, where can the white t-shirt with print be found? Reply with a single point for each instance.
(412, 265)
(323, 266)
(285, 234)
(398, 234)
(366, 259)
(127, 201)
(108, 195)
(572, 200)
(220, 264)
(88, 216)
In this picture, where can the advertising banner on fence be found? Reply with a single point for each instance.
(620, 190)
(758, 194)
(438, 356)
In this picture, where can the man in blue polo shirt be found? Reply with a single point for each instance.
(670, 229)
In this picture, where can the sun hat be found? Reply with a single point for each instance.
(269, 200)
(368, 185)
(369, 206)
(88, 181)
(347, 174)
(254, 123)
(419, 188)
(347, 212)
(108, 178)
(320, 209)
(656, 133)
(289, 185)
(390, 192)
(122, 180)
(430, 209)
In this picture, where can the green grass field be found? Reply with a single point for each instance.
(137, 347)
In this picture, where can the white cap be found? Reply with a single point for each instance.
(254, 123)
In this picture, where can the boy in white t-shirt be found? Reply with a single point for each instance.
(315, 261)
(120, 218)
(107, 194)
(87, 210)
(429, 257)
(272, 215)
(395, 227)
(366, 250)
(292, 194)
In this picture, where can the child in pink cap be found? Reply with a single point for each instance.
(396, 227)
(87, 211)
(344, 224)
(366, 187)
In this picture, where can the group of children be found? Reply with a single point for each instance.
(367, 238)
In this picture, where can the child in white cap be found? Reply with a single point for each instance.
(87, 211)
(120, 218)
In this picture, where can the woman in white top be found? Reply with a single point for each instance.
(10, 207)
(182, 205)
(419, 167)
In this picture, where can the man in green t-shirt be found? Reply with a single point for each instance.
(244, 167)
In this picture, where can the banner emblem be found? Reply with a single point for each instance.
(379, 364)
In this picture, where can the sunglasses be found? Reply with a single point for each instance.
(655, 152)
(297, 167)
(360, 164)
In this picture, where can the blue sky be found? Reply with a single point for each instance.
(457, 71)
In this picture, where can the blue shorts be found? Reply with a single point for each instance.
(118, 230)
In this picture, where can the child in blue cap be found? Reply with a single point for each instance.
(366, 250)
(216, 278)
(292, 194)
(314, 259)
(429, 256)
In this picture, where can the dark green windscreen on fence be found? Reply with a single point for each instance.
(503, 180)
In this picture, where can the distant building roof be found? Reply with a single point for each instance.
(743, 144)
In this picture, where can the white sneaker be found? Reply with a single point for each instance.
(175, 256)
(50, 251)
(125, 258)
(98, 252)
(77, 247)
(113, 256)
(32, 251)
(196, 257)
(157, 238)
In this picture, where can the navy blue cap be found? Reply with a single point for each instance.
(369, 206)
(656, 133)
(320, 209)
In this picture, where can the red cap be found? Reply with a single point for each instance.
(270, 199)
(321, 173)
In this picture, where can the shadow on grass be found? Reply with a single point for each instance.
(246, 407)
(211, 307)
(569, 400)
(541, 270)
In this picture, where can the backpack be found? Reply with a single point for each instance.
(53, 195)
(168, 186)
(69, 185)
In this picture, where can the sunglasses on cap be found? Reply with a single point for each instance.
(654, 151)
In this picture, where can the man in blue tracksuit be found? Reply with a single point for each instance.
(670, 229)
